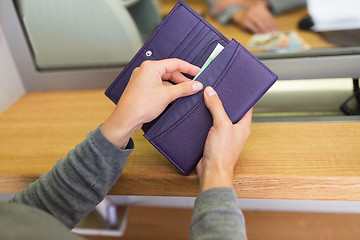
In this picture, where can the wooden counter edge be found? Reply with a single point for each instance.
(261, 187)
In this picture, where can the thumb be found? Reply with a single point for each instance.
(214, 104)
(184, 89)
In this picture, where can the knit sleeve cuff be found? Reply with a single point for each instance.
(106, 147)
(222, 198)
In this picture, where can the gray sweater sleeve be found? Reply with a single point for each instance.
(223, 16)
(276, 6)
(77, 183)
(217, 216)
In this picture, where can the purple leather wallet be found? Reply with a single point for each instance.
(238, 77)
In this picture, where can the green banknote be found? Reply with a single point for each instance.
(212, 56)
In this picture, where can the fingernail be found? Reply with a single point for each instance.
(196, 86)
(210, 91)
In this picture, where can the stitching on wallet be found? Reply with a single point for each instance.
(181, 120)
(257, 60)
(228, 67)
(168, 157)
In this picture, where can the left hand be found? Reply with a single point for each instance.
(147, 95)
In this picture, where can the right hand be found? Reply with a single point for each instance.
(256, 18)
(223, 146)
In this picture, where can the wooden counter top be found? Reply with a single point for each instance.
(279, 161)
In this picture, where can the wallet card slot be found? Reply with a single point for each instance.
(187, 39)
(195, 14)
(203, 55)
(194, 42)
(183, 105)
(174, 30)
(199, 46)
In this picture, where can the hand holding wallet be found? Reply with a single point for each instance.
(239, 79)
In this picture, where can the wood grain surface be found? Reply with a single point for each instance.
(279, 161)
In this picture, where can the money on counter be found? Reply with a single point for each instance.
(277, 42)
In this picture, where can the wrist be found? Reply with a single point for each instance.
(213, 178)
(118, 131)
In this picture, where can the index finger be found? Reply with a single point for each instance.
(176, 65)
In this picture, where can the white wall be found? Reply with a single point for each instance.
(11, 87)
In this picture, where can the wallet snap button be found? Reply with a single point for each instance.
(148, 53)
